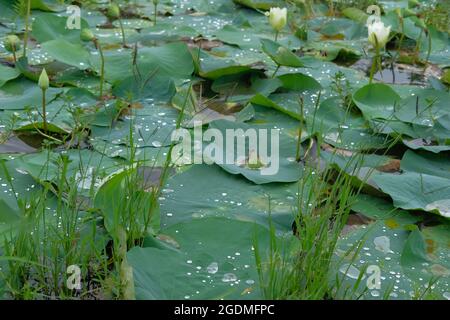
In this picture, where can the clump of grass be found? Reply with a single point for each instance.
(302, 269)
(23, 8)
(53, 234)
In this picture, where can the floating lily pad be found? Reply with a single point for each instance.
(223, 268)
(417, 191)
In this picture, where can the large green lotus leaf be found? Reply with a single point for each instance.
(357, 139)
(427, 163)
(376, 101)
(233, 35)
(15, 184)
(336, 27)
(14, 145)
(282, 168)
(424, 107)
(417, 191)
(59, 113)
(146, 133)
(382, 209)
(118, 64)
(441, 128)
(197, 110)
(439, 41)
(325, 72)
(112, 37)
(355, 14)
(87, 167)
(334, 50)
(299, 82)
(260, 4)
(273, 118)
(161, 88)
(73, 54)
(407, 267)
(111, 199)
(8, 12)
(332, 117)
(360, 167)
(240, 90)
(150, 155)
(425, 144)
(190, 195)
(215, 260)
(7, 73)
(164, 31)
(288, 103)
(212, 67)
(133, 23)
(49, 26)
(248, 38)
(172, 60)
(79, 78)
(46, 5)
(150, 127)
(19, 94)
(200, 23)
(281, 55)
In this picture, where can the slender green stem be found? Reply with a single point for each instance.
(417, 48)
(300, 127)
(123, 32)
(276, 35)
(155, 13)
(44, 111)
(380, 66)
(102, 66)
(316, 107)
(429, 48)
(374, 64)
(14, 55)
(400, 43)
(331, 7)
(27, 22)
(275, 72)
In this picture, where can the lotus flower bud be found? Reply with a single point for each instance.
(87, 35)
(43, 82)
(413, 3)
(12, 43)
(113, 11)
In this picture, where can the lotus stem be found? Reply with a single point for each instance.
(102, 66)
(429, 48)
(276, 35)
(44, 111)
(27, 22)
(299, 140)
(14, 55)
(155, 13)
(375, 62)
(124, 44)
(275, 72)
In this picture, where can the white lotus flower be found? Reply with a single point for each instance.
(378, 33)
(277, 18)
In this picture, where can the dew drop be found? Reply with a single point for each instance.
(213, 268)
